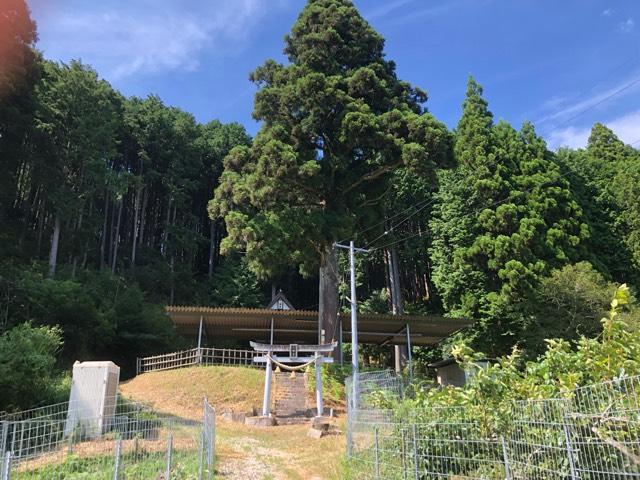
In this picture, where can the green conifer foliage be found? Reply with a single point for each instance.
(336, 122)
(503, 220)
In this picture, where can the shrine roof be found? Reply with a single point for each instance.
(301, 326)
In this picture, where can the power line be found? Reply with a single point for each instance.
(600, 102)
(389, 218)
(431, 201)
(498, 202)
(631, 60)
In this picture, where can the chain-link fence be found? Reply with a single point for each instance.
(593, 433)
(132, 441)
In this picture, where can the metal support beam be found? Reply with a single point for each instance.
(354, 317)
(267, 388)
(409, 355)
(271, 337)
(340, 353)
(319, 402)
(200, 341)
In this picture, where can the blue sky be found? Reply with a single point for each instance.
(561, 64)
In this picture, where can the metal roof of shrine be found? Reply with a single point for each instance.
(301, 326)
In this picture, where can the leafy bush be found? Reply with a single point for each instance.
(27, 360)
(333, 378)
(563, 367)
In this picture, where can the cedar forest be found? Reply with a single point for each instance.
(112, 207)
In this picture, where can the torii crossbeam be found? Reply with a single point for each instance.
(318, 359)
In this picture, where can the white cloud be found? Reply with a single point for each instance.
(143, 39)
(627, 26)
(561, 109)
(608, 12)
(386, 8)
(626, 127)
(431, 10)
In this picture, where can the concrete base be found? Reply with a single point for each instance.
(260, 421)
(321, 423)
(234, 417)
(315, 433)
(292, 420)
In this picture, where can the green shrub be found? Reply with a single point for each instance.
(27, 361)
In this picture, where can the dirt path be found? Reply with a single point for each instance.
(276, 453)
(242, 452)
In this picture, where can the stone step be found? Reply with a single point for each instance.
(290, 396)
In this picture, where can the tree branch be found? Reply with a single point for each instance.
(372, 176)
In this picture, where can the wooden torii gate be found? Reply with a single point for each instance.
(293, 349)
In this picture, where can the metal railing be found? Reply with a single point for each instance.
(132, 441)
(593, 433)
(196, 356)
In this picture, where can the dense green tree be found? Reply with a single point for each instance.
(27, 360)
(19, 71)
(503, 220)
(604, 179)
(336, 122)
(78, 119)
(235, 285)
(567, 304)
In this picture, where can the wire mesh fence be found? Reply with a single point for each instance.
(132, 441)
(592, 433)
(196, 356)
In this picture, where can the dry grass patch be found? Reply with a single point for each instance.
(279, 453)
(180, 392)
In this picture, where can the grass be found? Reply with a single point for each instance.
(141, 466)
(283, 452)
(278, 453)
(180, 392)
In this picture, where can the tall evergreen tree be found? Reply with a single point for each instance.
(19, 72)
(504, 219)
(604, 178)
(336, 122)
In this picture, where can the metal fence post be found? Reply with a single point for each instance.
(349, 425)
(211, 416)
(3, 440)
(116, 466)
(203, 438)
(507, 468)
(572, 465)
(169, 451)
(415, 452)
(404, 453)
(377, 451)
(6, 467)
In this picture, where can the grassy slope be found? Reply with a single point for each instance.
(180, 392)
(279, 453)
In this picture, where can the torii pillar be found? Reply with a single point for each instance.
(317, 359)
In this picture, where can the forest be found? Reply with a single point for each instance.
(112, 207)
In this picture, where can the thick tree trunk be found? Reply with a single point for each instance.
(136, 216)
(41, 216)
(328, 297)
(112, 227)
(55, 240)
(212, 245)
(105, 225)
(143, 215)
(172, 262)
(165, 233)
(397, 303)
(116, 238)
(74, 263)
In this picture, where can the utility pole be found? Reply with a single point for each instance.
(354, 317)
